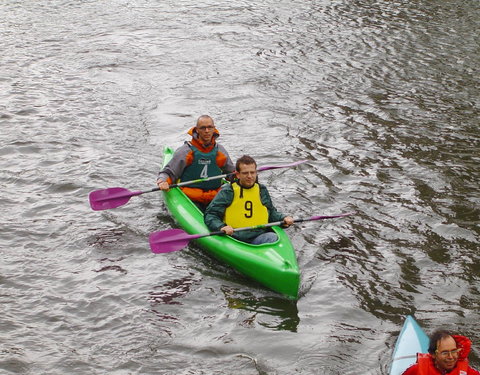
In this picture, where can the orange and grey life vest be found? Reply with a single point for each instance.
(426, 366)
(246, 209)
(204, 165)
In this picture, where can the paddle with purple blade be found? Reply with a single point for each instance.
(117, 196)
(169, 240)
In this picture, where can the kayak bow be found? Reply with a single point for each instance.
(411, 340)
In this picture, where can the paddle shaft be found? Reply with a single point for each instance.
(115, 197)
(265, 168)
(176, 239)
(185, 183)
(221, 232)
(262, 226)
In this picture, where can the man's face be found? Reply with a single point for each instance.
(205, 130)
(247, 175)
(446, 355)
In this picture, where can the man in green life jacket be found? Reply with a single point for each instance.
(244, 203)
(200, 158)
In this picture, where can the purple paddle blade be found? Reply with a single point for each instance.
(110, 198)
(170, 240)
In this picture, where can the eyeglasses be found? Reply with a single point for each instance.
(453, 352)
(210, 127)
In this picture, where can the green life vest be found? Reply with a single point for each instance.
(246, 209)
(204, 165)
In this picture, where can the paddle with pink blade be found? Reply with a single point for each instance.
(169, 240)
(114, 197)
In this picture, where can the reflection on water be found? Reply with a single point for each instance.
(172, 291)
(112, 268)
(106, 238)
(275, 313)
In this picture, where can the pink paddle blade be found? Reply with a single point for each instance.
(170, 240)
(110, 198)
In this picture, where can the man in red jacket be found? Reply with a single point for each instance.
(447, 354)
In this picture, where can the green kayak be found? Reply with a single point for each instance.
(273, 265)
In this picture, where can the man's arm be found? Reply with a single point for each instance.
(175, 167)
(229, 166)
(216, 209)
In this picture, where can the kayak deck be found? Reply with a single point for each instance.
(411, 340)
(274, 264)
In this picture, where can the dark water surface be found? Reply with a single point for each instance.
(382, 98)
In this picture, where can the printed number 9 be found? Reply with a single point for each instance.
(249, 209)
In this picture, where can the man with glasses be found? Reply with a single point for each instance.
(245, 203)
(200, 158)
(447, 354)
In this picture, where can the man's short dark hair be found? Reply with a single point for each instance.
(245, 159)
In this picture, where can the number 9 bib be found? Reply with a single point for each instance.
(246, 208)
